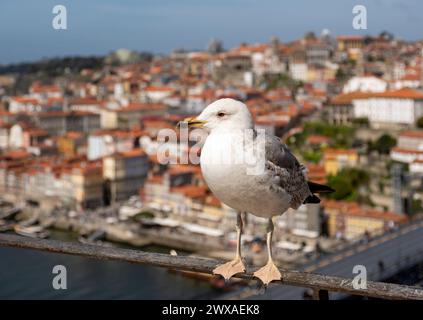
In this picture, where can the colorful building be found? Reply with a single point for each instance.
(336, 159)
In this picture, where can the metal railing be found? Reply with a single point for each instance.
(321, 284)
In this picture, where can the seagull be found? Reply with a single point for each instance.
(226, 163)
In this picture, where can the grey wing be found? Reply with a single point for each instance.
(278, 153)
(289, 173)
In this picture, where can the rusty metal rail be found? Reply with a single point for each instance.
(321, 284)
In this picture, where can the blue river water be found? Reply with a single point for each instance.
(27, 274)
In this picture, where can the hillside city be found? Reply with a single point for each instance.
(78, 142)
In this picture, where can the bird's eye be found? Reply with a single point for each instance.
(221, 114)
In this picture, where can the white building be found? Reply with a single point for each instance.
(402, 107)
(408, 81)
(409, 147)
(156, 93)
(416, 166)
(365, 84)
(16, 137)
(44, 92)
(304, 222)
(105, 143)
(85, 104)
(24, 104)
(125, 173)
(299, 71)
(4, 135)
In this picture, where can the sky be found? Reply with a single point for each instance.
(96, 27)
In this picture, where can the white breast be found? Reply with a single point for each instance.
(229, 179)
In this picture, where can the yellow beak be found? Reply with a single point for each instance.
(192, 123)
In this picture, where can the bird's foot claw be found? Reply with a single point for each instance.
(230, 268)
(268, 273)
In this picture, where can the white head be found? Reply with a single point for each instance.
(223, 114)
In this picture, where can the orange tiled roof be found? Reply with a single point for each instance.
(85, 101)
(157, 123)
(74, 135)
(181, 169)
(316, 173)
(86, 167)
(17, 154)
(117, 133)
(347, 98)
(412, 134)
(20, 99)
(159, 89)
(409, 151)
(61, 113)
(405, 93)
(349, 37)
(213, 201)
(135, 106)
(411, 77)
(249, 48)
(354, 209)
(317, 139)
(190, 191)
(336, 152)
(37, 88)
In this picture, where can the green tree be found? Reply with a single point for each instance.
(342, 186)
(362, 122)
(282, 80)
(312, 156)
(347, 182)
(340, 75)
(384, 144)
(419, 122)
(342, 136)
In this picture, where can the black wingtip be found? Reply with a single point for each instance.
(312, 199)
(319, 188)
